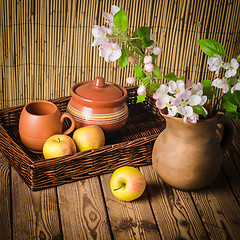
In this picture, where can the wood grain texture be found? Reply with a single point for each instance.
(34, 214)
(174, 210)
(218, 209)
(82, 210)
(5, 199)
(129, 220)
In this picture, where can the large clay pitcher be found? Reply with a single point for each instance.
(189, 156)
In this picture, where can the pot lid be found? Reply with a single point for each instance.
(99, 90)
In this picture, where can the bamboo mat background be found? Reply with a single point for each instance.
(45, 46)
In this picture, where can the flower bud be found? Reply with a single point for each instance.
(148, 67)
(147, 59)
(110, 32)
(157, 50)
(131, 59)
(130, 80)
(141, 90)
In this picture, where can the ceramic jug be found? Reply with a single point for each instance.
(38, 121)
(189, 156)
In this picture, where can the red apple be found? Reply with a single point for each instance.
(127, 183)
(58, 145)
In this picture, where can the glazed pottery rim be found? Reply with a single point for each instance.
(103, 102)
(180, 119)
(41, 101)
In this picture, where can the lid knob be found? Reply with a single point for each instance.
(99, 82)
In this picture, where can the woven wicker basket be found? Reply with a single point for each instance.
(131, 145)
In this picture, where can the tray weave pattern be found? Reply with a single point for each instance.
(131, 145)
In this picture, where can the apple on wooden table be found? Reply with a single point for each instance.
(58, 145)
(127, 183)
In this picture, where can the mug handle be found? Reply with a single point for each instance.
(228, 131)
(68, 115)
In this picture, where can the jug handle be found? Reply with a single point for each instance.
(68, 115)
(228, 131)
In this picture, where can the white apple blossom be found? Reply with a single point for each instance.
(179, 100)
(132, 59)
(231, 68)
(99, 34)
(147, 59)
(157, 50)
(221, 83)
(141, 90)
(110, 32)
(163, 89)
(197, 88)
(110, 51)
(153, 36)
(177, 87)
(172, 110)
(215, 63)
(148, 67)
(164, 101)
(109, 17)
(236, 87)
(192, 119)
(130, 80)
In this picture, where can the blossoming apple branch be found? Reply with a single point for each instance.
(181, 97)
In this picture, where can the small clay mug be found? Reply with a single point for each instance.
(38, 121)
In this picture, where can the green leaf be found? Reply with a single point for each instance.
(171, 76)
(231, 103)
(123, 60)
(141, 98)
(211, 47)
(233, 115)
(111, 36)
(155, 85)
(238, 58)
(181, 78)
(135, 48)
(233, 80)
(228, 106)
(234, 97)
(137, 40)
(138, 71)
(208, 89)
(153, 58)
(120, 20)
(199, 110)
(156, 72)
(115, 31)
(144, 34)
(150, 89)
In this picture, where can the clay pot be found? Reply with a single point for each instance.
(98, 103)
(38, 121)
(189, 156)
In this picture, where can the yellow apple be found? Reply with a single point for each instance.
(127, 183)
(89, 137)
(58, 145)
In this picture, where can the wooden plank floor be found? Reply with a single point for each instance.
(87, 209)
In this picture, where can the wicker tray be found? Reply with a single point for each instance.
(131, 145)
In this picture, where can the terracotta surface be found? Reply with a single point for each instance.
(38, 121)
(189, 156)
(99, 103)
